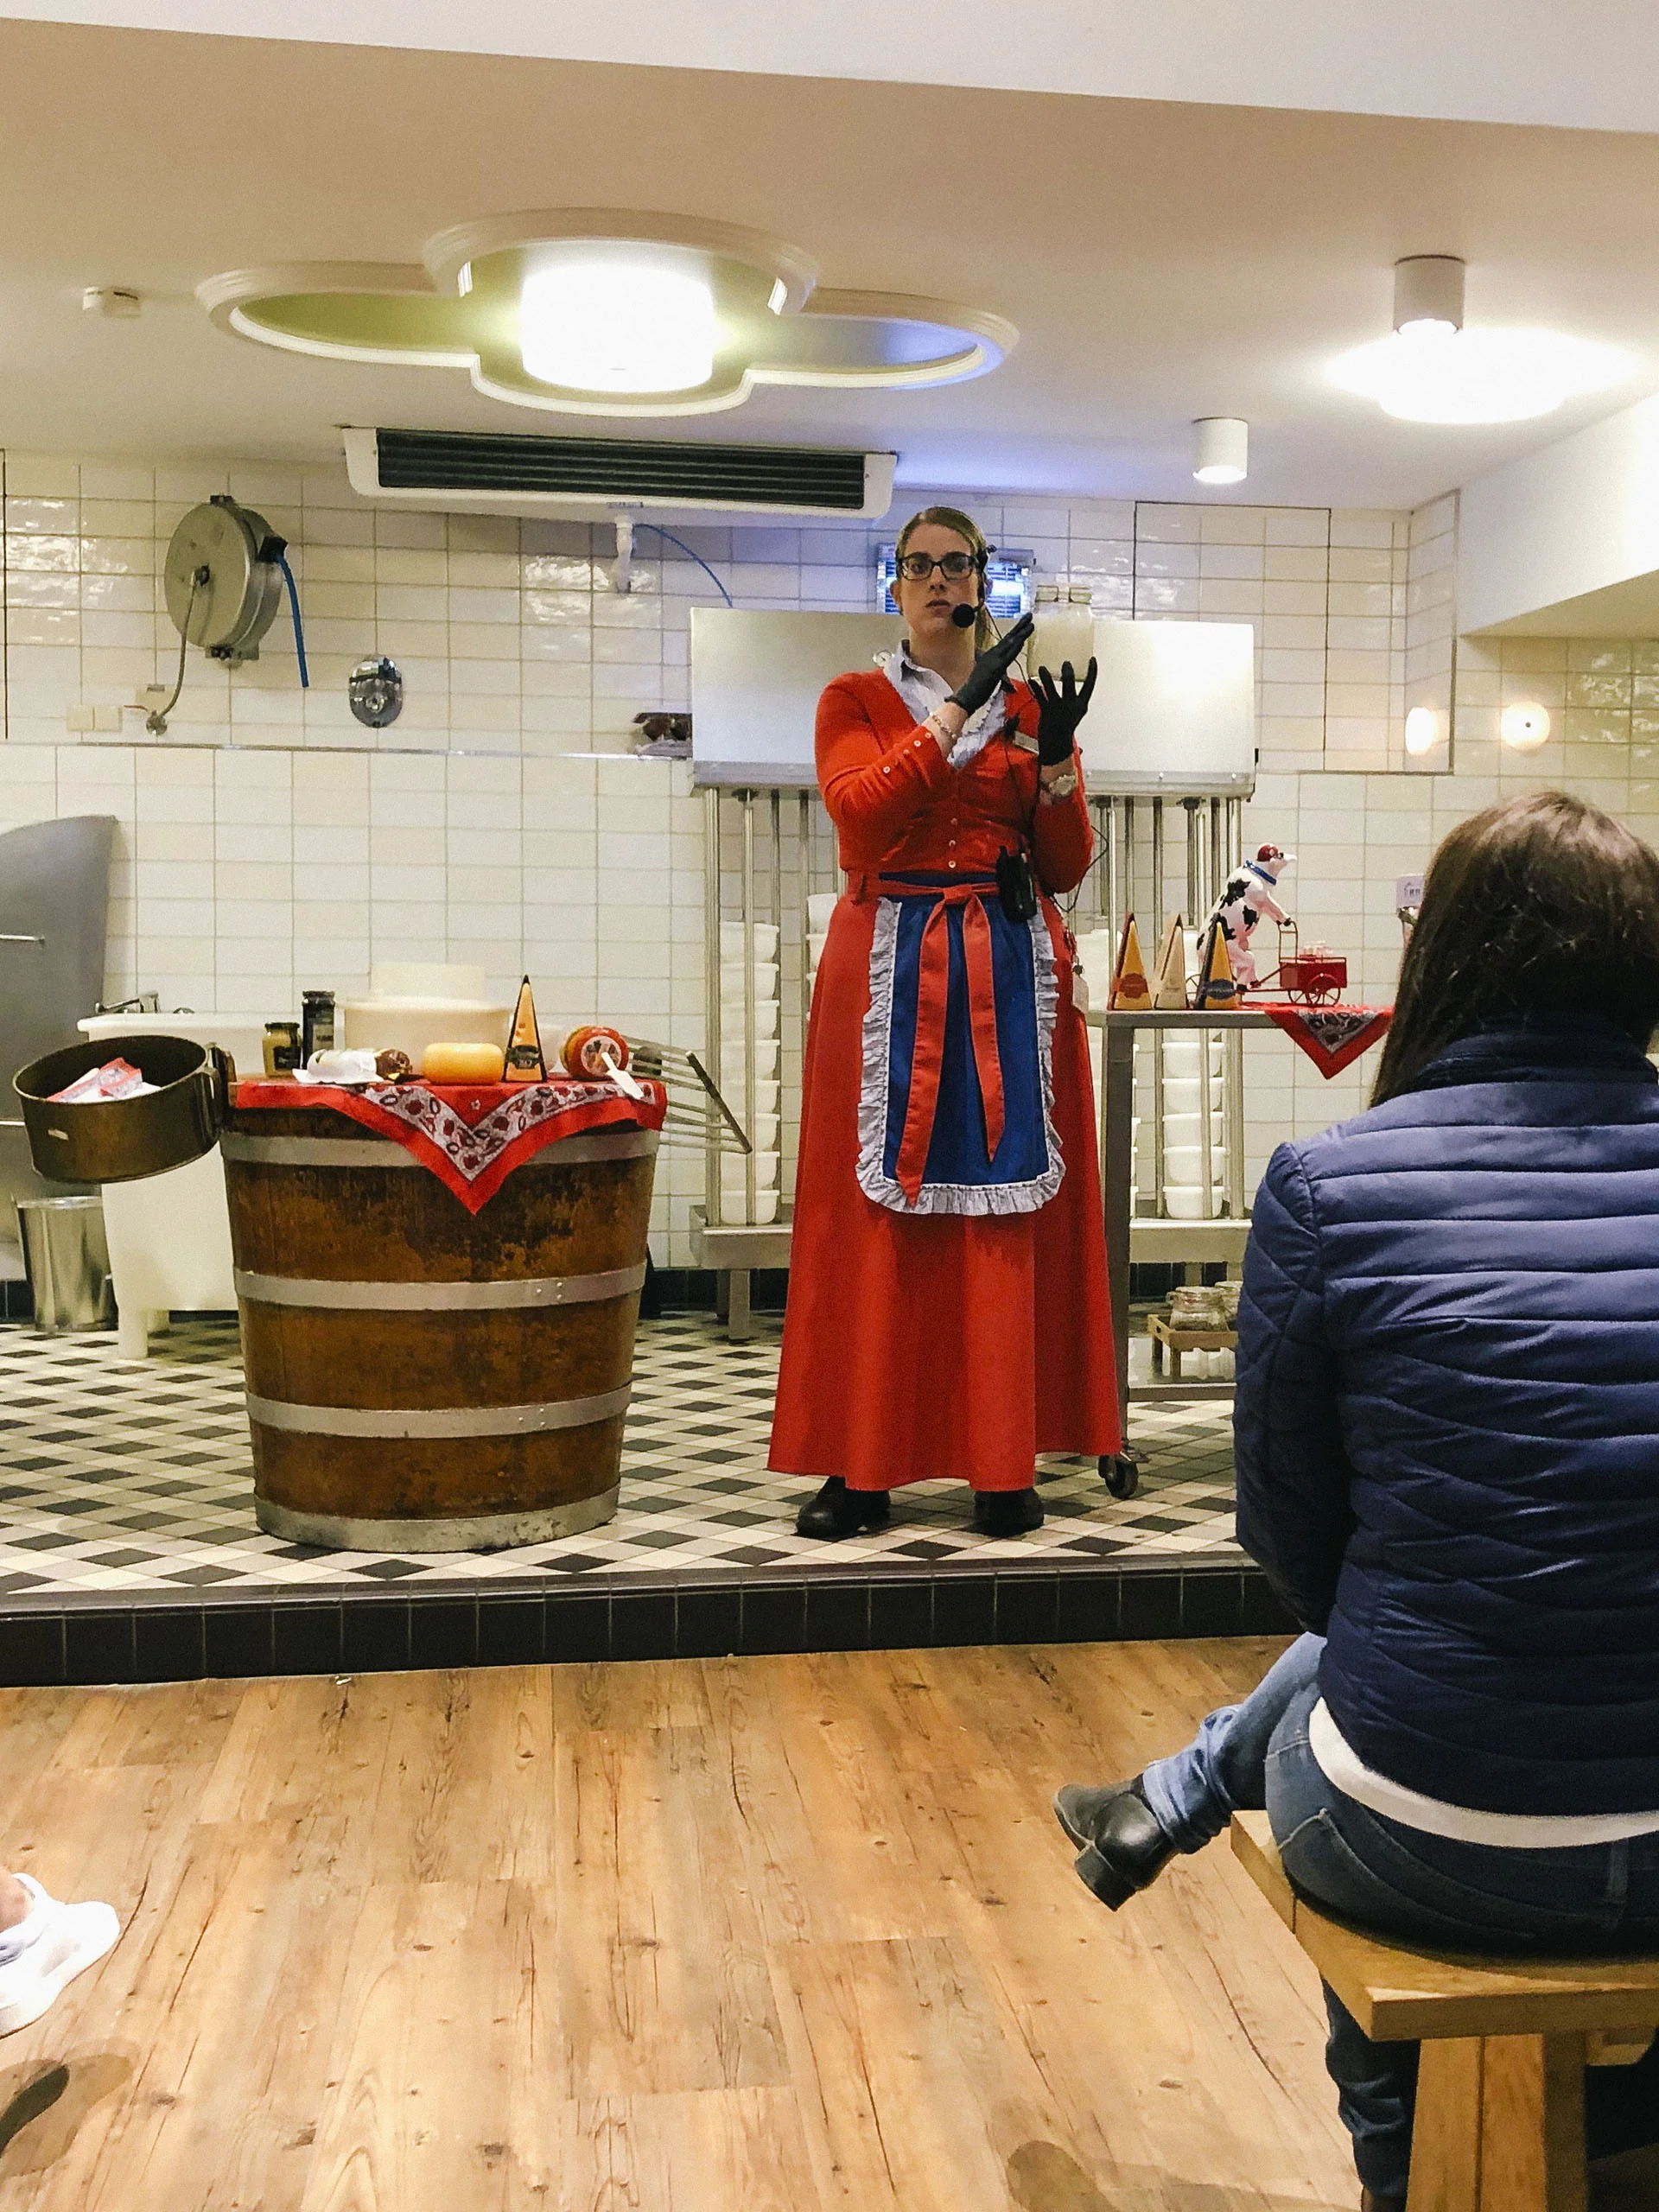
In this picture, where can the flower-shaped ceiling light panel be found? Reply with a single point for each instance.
(593, 311)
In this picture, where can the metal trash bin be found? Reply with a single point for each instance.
(67, 1260)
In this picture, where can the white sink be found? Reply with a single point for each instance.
(169, 1236)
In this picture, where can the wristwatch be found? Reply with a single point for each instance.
(1062, 786)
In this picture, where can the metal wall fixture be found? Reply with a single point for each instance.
(375, 689)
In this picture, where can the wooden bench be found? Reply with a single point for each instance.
(1499, 2123)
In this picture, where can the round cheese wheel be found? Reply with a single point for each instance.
(594, 1051)
(462, 1063)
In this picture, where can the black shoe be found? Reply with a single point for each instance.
(1368, 2203)
(838, 1511)
(1007, 1512)
(1121, 1846)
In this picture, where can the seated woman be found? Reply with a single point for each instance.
(1447, 1445)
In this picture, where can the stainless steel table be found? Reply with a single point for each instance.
(1122, 1225)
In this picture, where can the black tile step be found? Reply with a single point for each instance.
(148, 1638)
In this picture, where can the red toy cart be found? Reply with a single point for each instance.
(1318, 976)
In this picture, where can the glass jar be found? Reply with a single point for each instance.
(1064, 630)
(1194, 1305)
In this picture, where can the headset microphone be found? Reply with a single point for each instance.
(964, 617)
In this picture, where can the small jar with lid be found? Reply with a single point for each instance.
(1196, 1306)
(316, 1025)
(1064, 630)
(282, 1048)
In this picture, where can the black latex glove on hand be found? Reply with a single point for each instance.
(1060, 708)
(991, 666)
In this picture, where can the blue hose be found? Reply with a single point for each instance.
(670, 538)
(294, 609)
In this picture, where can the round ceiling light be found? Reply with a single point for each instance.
(614, 323)
(1431, 369)
(1430, 374)
(1524, 726)
(610, 311)
(1221, 449)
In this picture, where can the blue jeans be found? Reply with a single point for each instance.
(1593, 1897)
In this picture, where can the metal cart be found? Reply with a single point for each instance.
(1131, 1235)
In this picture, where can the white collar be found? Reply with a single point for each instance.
(923, 688)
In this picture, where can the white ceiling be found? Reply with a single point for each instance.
(1162, 261)
(1589, 64)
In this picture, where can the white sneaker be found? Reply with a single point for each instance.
(65, 1939)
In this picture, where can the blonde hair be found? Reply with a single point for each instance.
(963, 526)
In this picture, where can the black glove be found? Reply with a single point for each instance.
(1061, 707)
(991, 666)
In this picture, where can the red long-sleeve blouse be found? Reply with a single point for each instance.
(897, 803)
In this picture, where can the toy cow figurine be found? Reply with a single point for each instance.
(1246, 897)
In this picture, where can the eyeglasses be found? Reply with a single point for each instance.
(916, 567)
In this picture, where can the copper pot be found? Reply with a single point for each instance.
(123, 1140)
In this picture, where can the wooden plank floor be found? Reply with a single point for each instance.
(747, 1935)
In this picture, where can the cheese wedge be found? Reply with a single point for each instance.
(1216, 988)
(525, 1062)
(1169, 988)
(1129, 988)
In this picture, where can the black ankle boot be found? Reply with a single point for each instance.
(1007, 1512)
(838, 1511)
(1121, 1846)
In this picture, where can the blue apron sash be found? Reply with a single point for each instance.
(956, 1101)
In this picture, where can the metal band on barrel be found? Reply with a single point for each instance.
(384, 1152)
(437, 1420)
(433, 1297)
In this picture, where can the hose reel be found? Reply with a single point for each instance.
(224, 579)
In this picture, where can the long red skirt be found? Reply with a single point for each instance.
(936, 1345)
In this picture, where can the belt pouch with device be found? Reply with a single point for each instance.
(1016, 887)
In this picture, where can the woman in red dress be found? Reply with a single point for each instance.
(948, 1311)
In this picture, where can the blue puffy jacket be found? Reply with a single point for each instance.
(1447, 1421)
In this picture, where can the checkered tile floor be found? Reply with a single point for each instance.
(121, 1476)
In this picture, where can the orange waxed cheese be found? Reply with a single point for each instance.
(462, 1063)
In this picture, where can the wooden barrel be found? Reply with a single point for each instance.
(421, 1378)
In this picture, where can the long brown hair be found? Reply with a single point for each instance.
(967, 528)
(1542, 906)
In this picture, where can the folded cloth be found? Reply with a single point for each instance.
(1333, 1036)
(472, 1136)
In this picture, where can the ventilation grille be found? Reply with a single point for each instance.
(624, 470)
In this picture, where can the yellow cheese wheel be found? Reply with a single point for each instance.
(462, 1063)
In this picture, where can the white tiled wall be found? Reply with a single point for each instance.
(512, 637)
(1354, 834)
(270, 842)
(242, 877)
